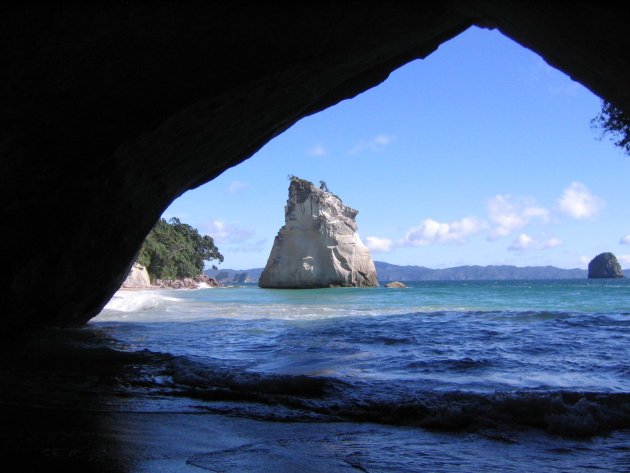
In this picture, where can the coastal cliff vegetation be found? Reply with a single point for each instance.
(175, 250)
(614, 123)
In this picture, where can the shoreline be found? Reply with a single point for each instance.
(157, 288)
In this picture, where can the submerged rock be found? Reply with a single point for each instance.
(318, 246)
(604, 265)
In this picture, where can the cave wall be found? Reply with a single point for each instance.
(110, 112)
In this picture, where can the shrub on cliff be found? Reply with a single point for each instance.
(175, 250)
(612, 121)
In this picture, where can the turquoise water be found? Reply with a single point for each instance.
(248, 301)
(510, 357)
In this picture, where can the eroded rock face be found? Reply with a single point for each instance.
(604, 265)
(318, 246)
(110, 111)
(138, 277)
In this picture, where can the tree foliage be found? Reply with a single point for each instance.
(175, 250)
(613, 122)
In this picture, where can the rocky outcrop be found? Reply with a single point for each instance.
(138, 277)
(206, 280)
(242, 278)
(318, 246)
(187, 283)
(396, 285)
(604, 265)
(112, 110)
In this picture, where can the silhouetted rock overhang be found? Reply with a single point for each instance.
(111, 111)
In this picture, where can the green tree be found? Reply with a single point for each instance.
(175, 250)
(613, 122)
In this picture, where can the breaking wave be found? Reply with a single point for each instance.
(145, 380)
(138, 301)
(567, 413)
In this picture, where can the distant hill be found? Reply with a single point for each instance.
(235, 276)
(394, 272)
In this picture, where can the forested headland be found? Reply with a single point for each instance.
(175, 250)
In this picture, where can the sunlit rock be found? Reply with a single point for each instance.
(395, 285)
(318, 246)
(138, 277)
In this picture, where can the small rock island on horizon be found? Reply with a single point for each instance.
(318, 246)
(604, 265)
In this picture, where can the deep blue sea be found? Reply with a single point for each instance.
(530, 375)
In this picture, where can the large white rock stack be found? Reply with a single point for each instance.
(318, 246)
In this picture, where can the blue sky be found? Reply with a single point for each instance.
(479, 154)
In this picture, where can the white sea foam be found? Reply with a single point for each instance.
(137, 301)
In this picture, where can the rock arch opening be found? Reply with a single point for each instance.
(109, 113)
(470, 149)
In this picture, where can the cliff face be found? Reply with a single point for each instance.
(604, 265)
(138, 277)
(318, 245)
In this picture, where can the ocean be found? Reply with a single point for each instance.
(441, 376)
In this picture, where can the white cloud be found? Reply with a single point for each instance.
(318, 150)
(525, 242)
(509, 213)
(625, 240)
(379, 245)
(376, 144)
(431, 231)
(578, 202)
(550, 243)
(236, 186)
(381, 140)
(522, 243)
(235, 237)
(227, 234)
